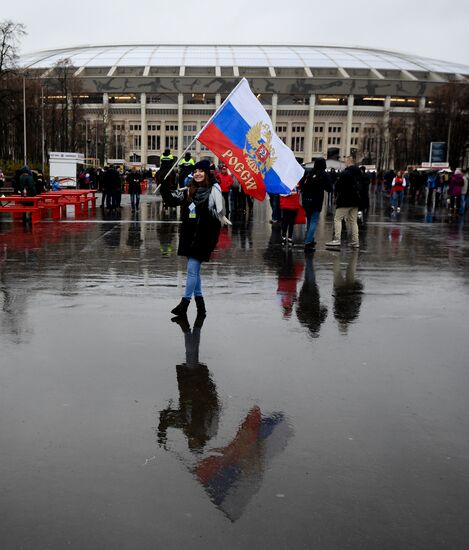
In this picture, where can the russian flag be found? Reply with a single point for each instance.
(241, 135)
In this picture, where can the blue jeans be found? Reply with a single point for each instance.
(274, 199)
(397, 198)
(134, 200)
(312, 219)
(193, 281)
(462, 205)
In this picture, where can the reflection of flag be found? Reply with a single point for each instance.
(233, 475)
(241, 135)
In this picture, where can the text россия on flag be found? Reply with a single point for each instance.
(241, 135)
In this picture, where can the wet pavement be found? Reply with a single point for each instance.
(322, 403)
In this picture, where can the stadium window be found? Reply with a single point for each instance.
(298, 143)
(171, 142)
(298, 128)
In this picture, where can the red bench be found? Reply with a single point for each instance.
(35, 212)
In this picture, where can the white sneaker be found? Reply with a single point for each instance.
(398, 209)
(333, 243)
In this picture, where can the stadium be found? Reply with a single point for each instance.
(323, 101)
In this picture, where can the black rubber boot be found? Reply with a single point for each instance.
(181, 308)
(183, 322)
(199, 302)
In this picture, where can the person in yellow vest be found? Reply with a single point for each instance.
(186, 167)
(166, 163)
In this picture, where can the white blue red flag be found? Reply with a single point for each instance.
(241, 135)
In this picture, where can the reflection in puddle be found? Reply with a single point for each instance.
(231, 475)
(234, 474)
(348, 292)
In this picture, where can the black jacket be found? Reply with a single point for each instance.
(111, 180)
(312, 188)
(199, 235)
(347, 188)
(133, 179)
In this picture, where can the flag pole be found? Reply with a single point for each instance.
(206, 124)
(182, 156)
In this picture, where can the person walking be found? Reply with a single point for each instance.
(133, 180)
(225, 180)
(202, 216)
(398, 185)
(464, 193)
(347, 198)
(312, 188)
(455, 189)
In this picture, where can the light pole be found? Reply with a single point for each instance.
(86, 139)
(43, 140)
(24, 121)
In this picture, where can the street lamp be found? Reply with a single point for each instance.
(24, 121)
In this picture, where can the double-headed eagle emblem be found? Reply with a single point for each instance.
(258, 150)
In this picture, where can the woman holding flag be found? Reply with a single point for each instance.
(202, 216)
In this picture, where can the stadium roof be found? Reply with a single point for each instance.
(307, 57)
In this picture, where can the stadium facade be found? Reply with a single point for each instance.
(322, 100)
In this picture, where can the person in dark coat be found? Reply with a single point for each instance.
(312, 188)
(27, 188)
(201, 215)
(347, 202)
(135, 189)
(111, 183)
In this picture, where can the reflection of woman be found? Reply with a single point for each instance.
(201, 215)
(289, 273)
(309, 310)
(347, 293)
(199, 408)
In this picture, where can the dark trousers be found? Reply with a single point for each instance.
(235, 195)
(226, 197)
(288, 222)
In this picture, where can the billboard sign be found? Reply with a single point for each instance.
(437, 151)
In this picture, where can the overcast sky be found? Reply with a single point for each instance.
(427, 28)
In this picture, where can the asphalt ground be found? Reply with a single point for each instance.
(322, 402)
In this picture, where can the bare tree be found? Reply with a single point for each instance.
(10, 90)
(63, 115)
(10, 35)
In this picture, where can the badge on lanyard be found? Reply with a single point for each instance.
(192, 213)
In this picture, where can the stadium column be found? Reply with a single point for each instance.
(289, 134)
(163, 135)
(387, 113)
(348, 131)
(274, 110)
(308, 147)
(144, 131)
(180, 147)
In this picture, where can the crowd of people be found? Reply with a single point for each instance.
(209, 196)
